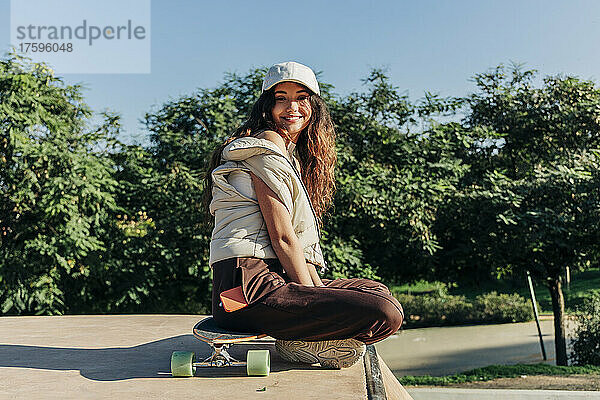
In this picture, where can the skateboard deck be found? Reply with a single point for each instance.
(257, 362)
(208, 331)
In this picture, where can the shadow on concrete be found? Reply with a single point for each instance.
(148, 360)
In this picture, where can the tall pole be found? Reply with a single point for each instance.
(537, 317)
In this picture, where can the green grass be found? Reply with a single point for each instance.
(582, 283)
(498, 371)
(420, 287)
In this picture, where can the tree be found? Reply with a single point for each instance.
(56, 190)
(391, 179)
(532, 200)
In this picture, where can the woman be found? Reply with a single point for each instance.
(272, 182)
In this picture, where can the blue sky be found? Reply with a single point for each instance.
(425, 45)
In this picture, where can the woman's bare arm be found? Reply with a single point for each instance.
(314, 276)
(283, 238)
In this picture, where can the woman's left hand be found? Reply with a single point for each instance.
(314, 275)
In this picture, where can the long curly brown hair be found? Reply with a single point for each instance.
(316, 150)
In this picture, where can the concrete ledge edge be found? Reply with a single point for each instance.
(373, 376)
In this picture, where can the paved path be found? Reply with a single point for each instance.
(442, 351)
(128, 357)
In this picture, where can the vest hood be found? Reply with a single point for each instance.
(245, 147)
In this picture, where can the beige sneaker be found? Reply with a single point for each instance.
(334, 354)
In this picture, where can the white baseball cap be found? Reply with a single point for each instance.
(291, 72)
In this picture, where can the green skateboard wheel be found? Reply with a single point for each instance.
(258, 363)
(181, 363)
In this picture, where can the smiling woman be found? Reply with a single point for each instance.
(292, 110)
(271, 183)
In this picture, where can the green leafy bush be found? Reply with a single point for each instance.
(440, 308)
(345, 260)
(586, 344)
(494, 307)
(435, 309)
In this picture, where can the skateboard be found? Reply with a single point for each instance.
(258, 362)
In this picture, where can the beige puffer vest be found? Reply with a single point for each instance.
(240, 230)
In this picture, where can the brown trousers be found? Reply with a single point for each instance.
(344, 308)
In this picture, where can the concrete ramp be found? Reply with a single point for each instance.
(128, 357)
